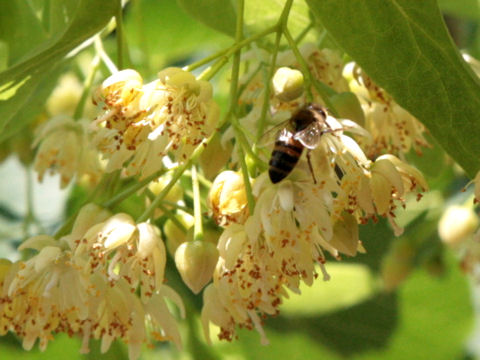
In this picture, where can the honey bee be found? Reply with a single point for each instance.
(303, 130)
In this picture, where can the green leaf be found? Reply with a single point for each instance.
(30, 102)
(469, 9)
(160, 47)
(19, 83)
(217, 14)
(427, 318)
(258, 15)
(405, 47)
(20, 28)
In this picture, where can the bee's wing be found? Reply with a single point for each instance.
(310, 136)
(272, 134)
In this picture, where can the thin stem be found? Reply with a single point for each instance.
(122, 48)
(87, 85)
(304, 33)
(309, 80)
(104, 56)
(228, 52)
(266, 94)
(197, 207)
(30, 213)
(202, 179)
(67, 225)
(176, 176)
(243, 141)
(167, 212)
(246, 181)
(178, 207)
(211, 71)
(131, 190)
(234, 100)
(242, 87)
(282, 24)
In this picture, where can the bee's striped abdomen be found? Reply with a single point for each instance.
(285, 155)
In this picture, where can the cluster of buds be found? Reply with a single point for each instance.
(85, 283)
(143, 123)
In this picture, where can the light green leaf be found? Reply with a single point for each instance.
(405, 47)
(428, 318)
(218, 14)
(19, 83)
(147, 35)
(469, 9)
(258, 15)
(20, 28)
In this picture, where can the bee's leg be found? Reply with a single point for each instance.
(310, 167)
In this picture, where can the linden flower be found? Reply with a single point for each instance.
(143, 123)
(40, 294)
(227, 199)
(85, 283)
(64, 147)
(393, 130)
(379, 190)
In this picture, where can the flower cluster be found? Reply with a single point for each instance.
(105, 280)
(295, 223)
(86, 282)
(143, 123)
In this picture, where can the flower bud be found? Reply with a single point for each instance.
(174, 235)
(348, 107)
(287, 83)
(227, 199)
(457, 224)
(397, 264)
(345, 235)
(196, 261)
(215, 156)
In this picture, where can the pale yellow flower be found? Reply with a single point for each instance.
(143, 123)
(64, 147)
(86, 283)
(227, 199)
(393, 130)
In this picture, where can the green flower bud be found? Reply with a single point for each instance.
(397, 264)
(345, 235)
(196, 261)
(348, 107)
(287, 84)
(457, 224)
(174, 235)
(215, 156)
